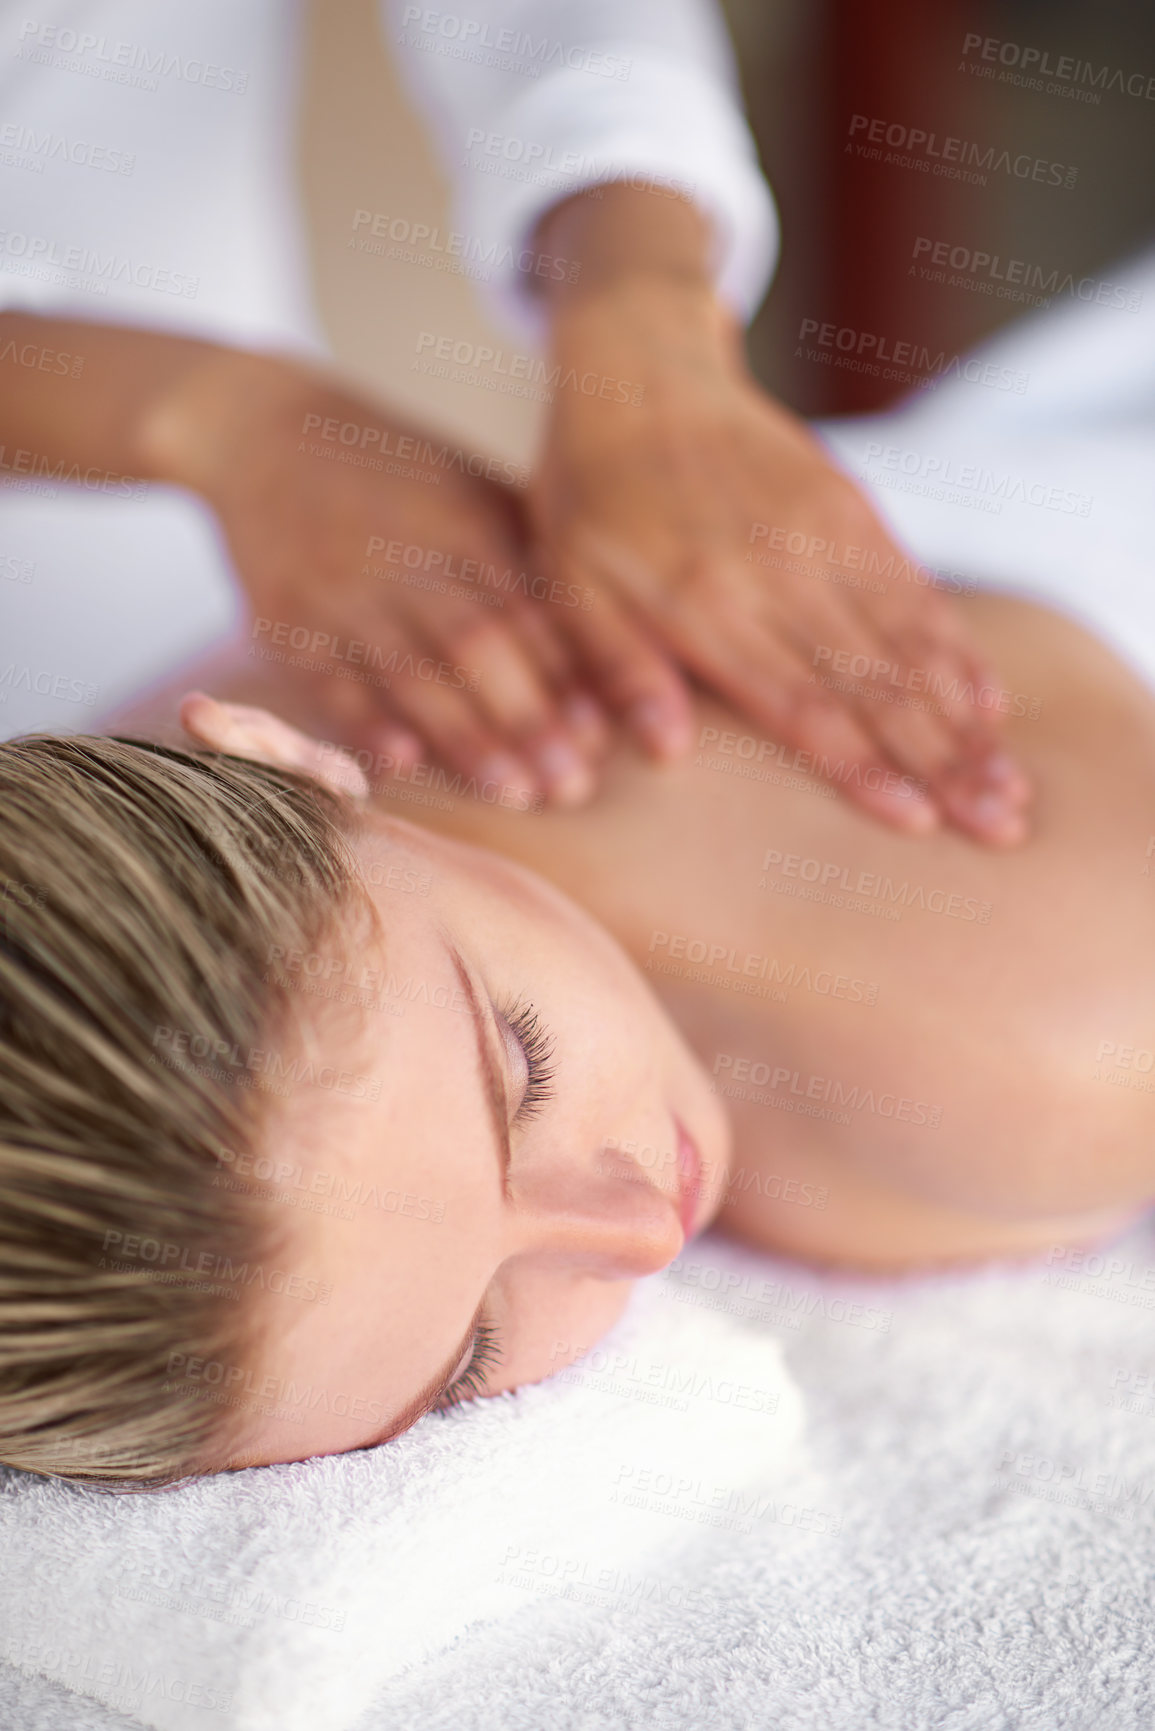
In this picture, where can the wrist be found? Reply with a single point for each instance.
(98, 412)
(641, 319)
(205, 426)
(613, 233)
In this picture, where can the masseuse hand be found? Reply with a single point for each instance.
(395, 646)
(674, 485)
(378, 588)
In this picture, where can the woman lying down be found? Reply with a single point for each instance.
(316, 1118)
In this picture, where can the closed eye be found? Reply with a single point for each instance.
(467, 1386)
(537, 1047)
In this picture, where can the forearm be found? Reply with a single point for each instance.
(89, 394)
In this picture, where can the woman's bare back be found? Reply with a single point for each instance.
(929, 1050)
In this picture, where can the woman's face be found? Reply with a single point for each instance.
(488, 1141)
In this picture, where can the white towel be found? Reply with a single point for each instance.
(282, 1598)
(973, 1549)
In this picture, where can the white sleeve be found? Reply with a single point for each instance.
(532, 100)
(146, 170)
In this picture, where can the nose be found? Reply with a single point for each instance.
(605, 1215)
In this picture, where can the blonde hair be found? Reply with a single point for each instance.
(142, 890)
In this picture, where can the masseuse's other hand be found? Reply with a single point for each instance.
(401, 597)
(676, 489)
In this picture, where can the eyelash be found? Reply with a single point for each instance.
(486, 1352)
(538, 1045)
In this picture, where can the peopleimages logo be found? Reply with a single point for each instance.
(505, 49)
(943, 154)
(725, 959)
(937, 475)
(45, 684)
(33, 254)
(422, 239)
(1017, 273)
(181, 1047)
(34, 148)
(827, 1089)
(834, 876)
(880, 672)
(515, 374)
(868, 351)
(1034, 64)
(104, 57)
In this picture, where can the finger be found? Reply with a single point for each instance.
(381, 742)
(399, 702)
(455, 732)
(937, 653)
(396, 699)
(976, 782)
(907, 710)
(767, 679)
(588, 722)
(535, 624)
(512, 694)
(929, 634)
(356, 715)
(551, 650)
(917, 691)
(634, 676)
(977, 788)
(984, 792)
(456, 736)
(886, 694)
(922, 625)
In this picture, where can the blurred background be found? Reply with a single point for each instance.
(849, 223)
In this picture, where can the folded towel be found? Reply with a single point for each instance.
(282, 1598)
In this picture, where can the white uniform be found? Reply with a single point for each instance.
(531, 102)
(146, 176)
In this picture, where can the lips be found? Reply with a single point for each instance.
(689, 1179)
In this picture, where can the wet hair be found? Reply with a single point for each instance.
(145, 896)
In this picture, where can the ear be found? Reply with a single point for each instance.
(244, 732)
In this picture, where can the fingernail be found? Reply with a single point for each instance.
(919, 816)
(587, 723)
(995, 817)
(567, 776)
(662, 729)
(507, 771)
(1001, 774)
(998, 769)
(583, 712)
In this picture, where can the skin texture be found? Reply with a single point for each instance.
(994, 1057)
